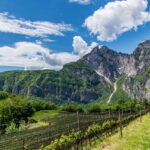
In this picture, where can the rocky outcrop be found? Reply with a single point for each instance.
(142, 56)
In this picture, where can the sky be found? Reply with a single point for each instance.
(37, 34)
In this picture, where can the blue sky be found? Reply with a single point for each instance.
(47, 34)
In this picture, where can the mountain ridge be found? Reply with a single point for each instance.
(90, 78)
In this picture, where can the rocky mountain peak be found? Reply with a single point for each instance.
(108, 62)
(102, 51)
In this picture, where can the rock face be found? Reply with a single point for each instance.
(110, 63)
(89, 79)
(138, 86)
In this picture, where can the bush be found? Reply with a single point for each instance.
(69, 107)
(80, 108)
(42, 105)
(65, 141)
(95, 128)
(94, 108)
(3, 95)
(15, 109)
(108, 124)
(13, 128)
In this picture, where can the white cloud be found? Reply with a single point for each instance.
(83, 2)
(11, 24)
(33, 55)
(116, 18)
(81, 47)
(36, 56)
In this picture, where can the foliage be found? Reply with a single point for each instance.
(15, 109)
(95, 128)
(73, 107)
(69, 107)
(12, 128)
(93, 108)
(3, 95)
(65, 141)
(78, 65)
(42, 105)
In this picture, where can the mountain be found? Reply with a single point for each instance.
(56, 86)
(103, 75)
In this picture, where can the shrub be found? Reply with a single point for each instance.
(108, 124)
(93, 129)
(94, 108)
(15, 109)
(69, 107)
(3, 95)
(42, 105)
(12, 128)
(65, 141)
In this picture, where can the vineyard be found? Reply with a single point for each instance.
(66, 124)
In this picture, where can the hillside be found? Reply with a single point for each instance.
(57, 86)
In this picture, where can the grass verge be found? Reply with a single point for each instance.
(136, 136)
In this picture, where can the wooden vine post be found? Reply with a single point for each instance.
(78, 121)
(23, 145)
(120, 124)
(140, 115)
(68, 128)
(109, 114)
(49, 130)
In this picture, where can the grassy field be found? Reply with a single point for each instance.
(42, 117)
(45, 114)
(136, 136)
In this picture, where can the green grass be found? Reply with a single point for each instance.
(45, 115)
(55, 117)
(136, 136)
